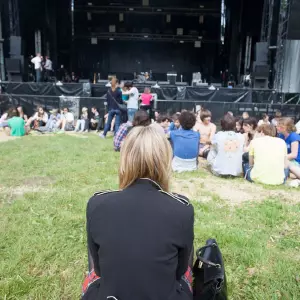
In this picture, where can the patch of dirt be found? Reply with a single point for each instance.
(233, 191)
(30, 185)
(5, 138)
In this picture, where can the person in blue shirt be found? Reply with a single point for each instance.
(175, 124)
(287, 131)
(185, 144)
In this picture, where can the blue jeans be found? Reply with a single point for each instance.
(38, 74)
(131, 112)
(111, 114)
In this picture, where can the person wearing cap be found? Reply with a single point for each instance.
(83, 123)
(53, 121)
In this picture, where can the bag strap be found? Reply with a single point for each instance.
(205, 261)
(113, 97)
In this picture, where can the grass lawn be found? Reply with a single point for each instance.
(46, 181)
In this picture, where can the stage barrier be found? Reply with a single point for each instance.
(76, 103)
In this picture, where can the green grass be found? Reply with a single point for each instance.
(45, 183)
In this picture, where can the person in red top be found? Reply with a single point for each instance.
(147, 101)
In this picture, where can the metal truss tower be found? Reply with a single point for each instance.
(281, 42)
(14, 17)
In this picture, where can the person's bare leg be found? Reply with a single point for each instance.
(294, 170)
(63, 125)
(7, 131)
(29, 122)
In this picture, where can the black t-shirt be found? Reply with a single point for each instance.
(111, 95)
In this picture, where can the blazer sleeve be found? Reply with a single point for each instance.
(93, 248)
(186, 251)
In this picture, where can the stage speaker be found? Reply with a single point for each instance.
(13, 65)
(261, 52)
(14, 70)
(294, 24)
(260, 83)
(15, 46)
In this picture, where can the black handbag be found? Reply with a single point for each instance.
(122, 107)
(209, 273)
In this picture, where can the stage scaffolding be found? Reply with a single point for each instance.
(281, 43)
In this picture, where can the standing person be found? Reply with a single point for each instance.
(114, 97)
(267, 158)
(37, 61)
(48, 68)
(147, 101)
(185, 143)
(225, 156)
(133, 101)
(144, 213)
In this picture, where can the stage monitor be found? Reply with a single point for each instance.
(294, 23)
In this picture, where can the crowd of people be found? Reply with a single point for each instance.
(262, 151)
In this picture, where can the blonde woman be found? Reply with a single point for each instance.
(140, 238)
(81, 124)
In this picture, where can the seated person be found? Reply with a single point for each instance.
(15, 125)
(264, 120)
(278, 115)
(54, 121)
(207, 131)
(83, 123)
(39, 119)
(225, 156)
(245, 115)
(249, 128)
(239, 125)
(67, 123)
(96, 121)
(162, 124)
(140, 238)
(21, 113)
(3, 119)
(298, 127)
(175, 125)
(267, 157)
(185, 142)
(141, 118)
(287, 131)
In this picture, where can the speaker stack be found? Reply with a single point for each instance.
(15, 64)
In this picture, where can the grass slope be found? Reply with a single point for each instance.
(45, 184)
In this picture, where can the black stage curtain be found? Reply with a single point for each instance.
(45, 89)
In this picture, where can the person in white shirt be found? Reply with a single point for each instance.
(37, 61)
(264, 120)
(48, 68)
(67, 120)
(133, 101)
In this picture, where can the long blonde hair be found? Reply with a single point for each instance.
(146, 153)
